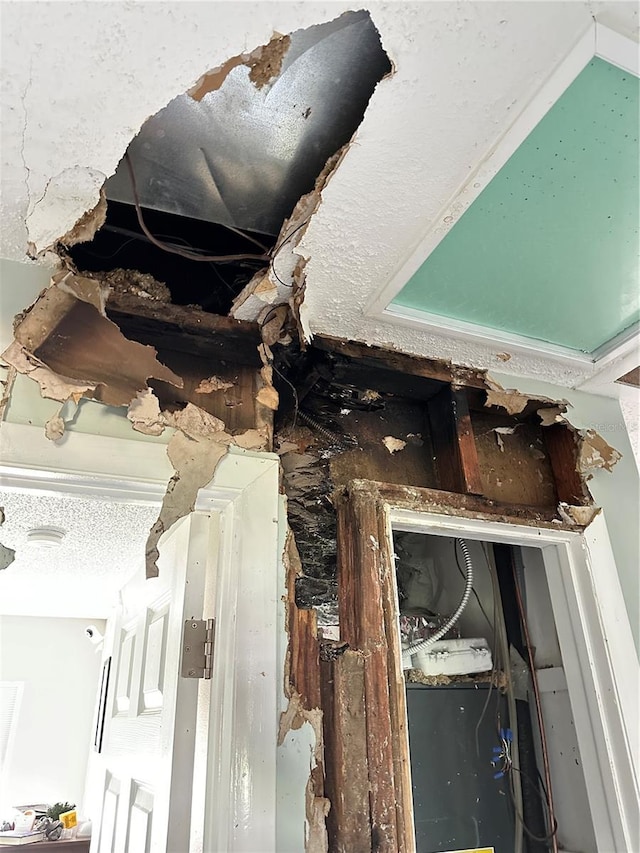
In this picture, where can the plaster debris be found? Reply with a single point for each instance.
(514, 403)
(213, 383)
(581, 515)
(511, 401)
(500, 431)
(504, 356)
(54, 427)
(594, 452)
(552, 415)
(144, 413)
(393, 445)
(65, 342)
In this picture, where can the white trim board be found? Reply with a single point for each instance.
(597, 40)
(244, 690)
(603, 677)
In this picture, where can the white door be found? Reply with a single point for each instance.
(146, 762)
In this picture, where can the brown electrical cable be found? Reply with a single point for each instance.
(174, 250)
(536, 693)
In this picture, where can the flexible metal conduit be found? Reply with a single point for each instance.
(423, 645)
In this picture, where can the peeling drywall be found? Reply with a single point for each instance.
(111, 86)
(65, 342)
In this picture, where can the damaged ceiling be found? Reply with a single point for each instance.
(460, 74)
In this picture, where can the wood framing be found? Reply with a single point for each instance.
(364, 694)
(453, 441)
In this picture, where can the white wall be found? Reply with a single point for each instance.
(60, 668)
(617, 492)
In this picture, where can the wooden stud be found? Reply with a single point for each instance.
(562, 449)
(347, 776)
(453, 442)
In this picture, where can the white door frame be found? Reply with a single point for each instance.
(240, 813)
(602, 672)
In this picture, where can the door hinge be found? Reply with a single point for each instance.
(197, 648)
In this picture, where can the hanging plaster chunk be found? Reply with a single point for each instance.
(594, 452)
(66, 343)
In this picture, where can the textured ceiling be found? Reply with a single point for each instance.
(462, 74)
(102, 548)
(549, 249)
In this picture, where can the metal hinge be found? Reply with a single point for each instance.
(197, 648)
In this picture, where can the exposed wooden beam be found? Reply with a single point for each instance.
(453, 442)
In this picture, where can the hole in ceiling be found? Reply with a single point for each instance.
(232, 158)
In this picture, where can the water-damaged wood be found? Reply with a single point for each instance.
(453, 442)
(413, 365)
(347, 774)
(562, 448)
(364, 575)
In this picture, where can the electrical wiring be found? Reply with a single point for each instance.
(174, 250)
(278, 248)
(551, 837)
(503, 644)
(538, 706)
(475, 594)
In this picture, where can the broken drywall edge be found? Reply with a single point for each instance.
(145, 415)
(279, 287)
(97, 345)
(52, 385)
(194, 461)
(265, 63)
(580, 515)
(63, 206)
(514, 402)
(88, 225)
(195, 450)
(594, 452)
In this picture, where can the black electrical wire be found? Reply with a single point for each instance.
(175, 250)
(550, 837)
(278, 248)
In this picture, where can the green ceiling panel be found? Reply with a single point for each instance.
(549, 249)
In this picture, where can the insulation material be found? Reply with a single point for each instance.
(66, 344)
